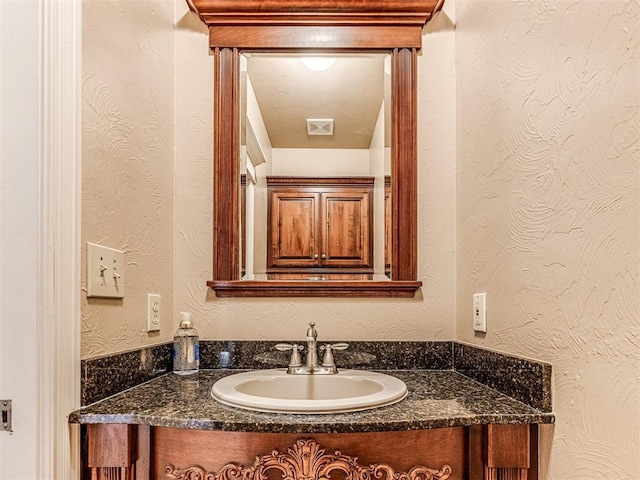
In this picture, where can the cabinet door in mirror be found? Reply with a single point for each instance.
(322, 125)
(320, 226)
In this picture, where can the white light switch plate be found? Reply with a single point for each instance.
(105, 272)
(480, 312)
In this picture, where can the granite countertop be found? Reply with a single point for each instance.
(437, 398)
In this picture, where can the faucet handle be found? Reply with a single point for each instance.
(295, 360)
(327, 360)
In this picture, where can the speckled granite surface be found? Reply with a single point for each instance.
(523, 379)
(526, 380)
(106, 376)
(436, 399)
(402, 355)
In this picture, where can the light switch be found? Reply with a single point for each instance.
(105, 272)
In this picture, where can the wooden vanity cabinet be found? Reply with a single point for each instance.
(477, 452)
(320, 224)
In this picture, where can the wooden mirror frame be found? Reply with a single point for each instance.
(392, 26)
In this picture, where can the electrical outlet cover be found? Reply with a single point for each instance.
(480, 312)
(154, 311)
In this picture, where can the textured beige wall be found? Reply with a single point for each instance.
(320, 161)
(548, 221)
(429, 316)
(537, 100)
(127, 166)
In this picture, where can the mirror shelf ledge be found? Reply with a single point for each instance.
(325, 288)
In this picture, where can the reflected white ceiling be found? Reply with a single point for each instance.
(351, 92)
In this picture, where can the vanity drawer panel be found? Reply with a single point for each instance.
(212, 450)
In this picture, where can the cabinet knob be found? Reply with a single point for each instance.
(315, 256)
(324, 255)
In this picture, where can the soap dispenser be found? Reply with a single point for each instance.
(186, 347)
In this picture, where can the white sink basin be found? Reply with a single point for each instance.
(278, 391)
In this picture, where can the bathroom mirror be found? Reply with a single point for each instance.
(315, 166)
(319, 28)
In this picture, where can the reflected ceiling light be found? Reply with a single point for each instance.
(318, 64)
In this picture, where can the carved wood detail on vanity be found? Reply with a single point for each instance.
(392, 453)
(306, 460)
(506, 473)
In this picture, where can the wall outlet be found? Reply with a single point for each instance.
(105, 272)
(480, 312)
(154, 312)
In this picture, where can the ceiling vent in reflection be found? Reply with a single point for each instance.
(319, 126)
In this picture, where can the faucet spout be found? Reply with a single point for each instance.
(312, 366)
(312, 347)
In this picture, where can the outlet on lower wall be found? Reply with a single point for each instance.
(480, 312)
(154, 311)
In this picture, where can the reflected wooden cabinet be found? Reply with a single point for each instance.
(320, 223)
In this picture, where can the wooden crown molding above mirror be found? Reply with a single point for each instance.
(320, 26)
(332, 24)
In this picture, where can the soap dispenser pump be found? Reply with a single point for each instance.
(186, 347)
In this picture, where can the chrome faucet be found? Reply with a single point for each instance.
(312, 347)
(328, 365)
